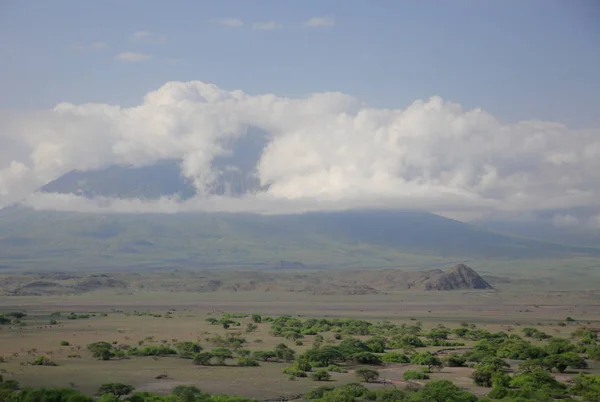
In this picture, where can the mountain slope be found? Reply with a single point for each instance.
(65, 240)
(154, 181)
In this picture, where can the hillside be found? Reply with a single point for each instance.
(361, 239)
(348, 282)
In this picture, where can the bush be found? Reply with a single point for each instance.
(586, 386)
(42, 361)
(64, 343)
(160, 350)
(292, 371)
(426, 359)
(247, 362)
(188, 350)
(455, 361)
(366, 358)
(332, 368)
(320, 375)
(395, 357)
(411, 375)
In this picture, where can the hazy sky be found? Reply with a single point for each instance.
(531, 59)
(472, 107)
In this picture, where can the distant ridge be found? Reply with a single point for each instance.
(459, 277)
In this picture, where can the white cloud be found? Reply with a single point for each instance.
(230, 22)
(132, 56)
(266, 26)
(327, 150)
(319, 22)
(95, 47)
(148, 38)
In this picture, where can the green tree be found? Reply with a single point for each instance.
(264, 355)
(365, 358)
(221, 354)
(186, 393)
(426, 359)
(256, 318)
(442, 391)
(188, 349)
(564, 360)
(367, 374)
(455, 360)
(115, 388)
(487, 370)
(203, 358)
(101, 350)
(586, 386)
(324, 356)
(437, 334)
(284, 353)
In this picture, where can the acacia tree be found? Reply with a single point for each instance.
(367, 375)
(221, 354)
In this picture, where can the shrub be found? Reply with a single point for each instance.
(455, 361)
(426, 359)
(332, 368)
(247, 362)
(188, 350)
(42, 361)
(64, 343)
(411, 375)
(203, 358)
(366, 358)
(320, 375)
(292, 371)
(395, 357)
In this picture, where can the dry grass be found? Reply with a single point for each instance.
(492, 311)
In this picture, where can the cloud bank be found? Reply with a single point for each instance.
(324, 151)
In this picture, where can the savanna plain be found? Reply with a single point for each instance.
(305, 336)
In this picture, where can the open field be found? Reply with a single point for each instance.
(115, 322)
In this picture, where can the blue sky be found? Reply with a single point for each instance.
(533, 59)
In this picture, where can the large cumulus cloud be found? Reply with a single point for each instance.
(327, 150)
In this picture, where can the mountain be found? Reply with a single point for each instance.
(53, 240)
(543, 229)
(358, 238)
(150, 182)
(459, 277)
(235, 173)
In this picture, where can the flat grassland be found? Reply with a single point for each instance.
(115, 321)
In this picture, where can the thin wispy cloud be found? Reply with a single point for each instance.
(132, 56)
(266, 26)
(231, 22)
(148, 38)
(319, 22)
(95, 47)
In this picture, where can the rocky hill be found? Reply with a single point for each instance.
(302, 280)
(459, 277)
